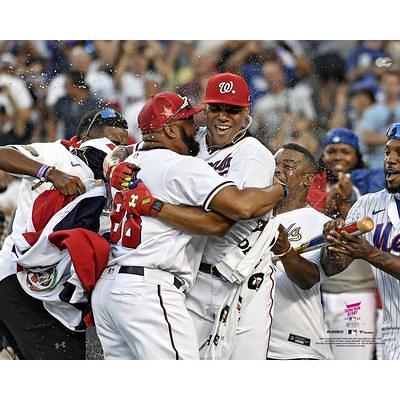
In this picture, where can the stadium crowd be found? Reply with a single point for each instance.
(315, 94)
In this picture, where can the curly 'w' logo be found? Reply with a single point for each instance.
(226, 87)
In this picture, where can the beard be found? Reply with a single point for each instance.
(191, 143)
(392, 190)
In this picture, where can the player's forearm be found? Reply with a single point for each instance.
(247, 203)
(333, 263)
(300, 271)
(257, 202)
(194, 220)
(13, 161)
(386, 262)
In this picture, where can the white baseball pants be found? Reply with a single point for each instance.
(253, 332)
(143, 317)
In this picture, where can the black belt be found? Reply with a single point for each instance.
(135, 270)
(210, 269)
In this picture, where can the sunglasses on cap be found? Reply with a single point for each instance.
(393, 132)
(185, 104)
(105, 114)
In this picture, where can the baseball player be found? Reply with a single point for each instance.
(298, 325)
(152, 263)
(68, 166)
(380, 247)
(227, 146)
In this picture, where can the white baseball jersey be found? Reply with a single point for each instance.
(47, 153)
(248, 164)
(381, 207)
(298, 325)
(175, 179)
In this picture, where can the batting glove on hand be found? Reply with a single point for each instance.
(122, 174)
(138, 200)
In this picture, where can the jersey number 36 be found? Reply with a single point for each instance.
(127, 226)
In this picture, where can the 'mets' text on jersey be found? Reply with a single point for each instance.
(382, 208)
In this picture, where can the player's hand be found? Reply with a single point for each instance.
(332, 226)
(282, 242)
(65, 183)
(344, 186)
(350, 245)
(121, 175)
(138, 200)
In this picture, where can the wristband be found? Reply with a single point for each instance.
(285, 253)
(42, 175)
(42, 172)
(46, 174)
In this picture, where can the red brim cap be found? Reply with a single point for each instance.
(227, 101)
(189, 112)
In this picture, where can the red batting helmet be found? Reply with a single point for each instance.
(227, 88)
(163, 108)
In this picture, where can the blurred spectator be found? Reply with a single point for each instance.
(350, 108)
(361, 63)
(138, 58)
(203, 66)
(378, 117)
(275, 113)
(248, 57)
(17, 100)
(71, 108)
(329, 70)
(152, 86)
(100, 82)
(11, 125)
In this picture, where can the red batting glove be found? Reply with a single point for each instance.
(138, 200)
(121, 175)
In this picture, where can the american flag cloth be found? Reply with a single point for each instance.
(60, 256)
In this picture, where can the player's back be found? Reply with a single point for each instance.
(248, 164)
(149, 242)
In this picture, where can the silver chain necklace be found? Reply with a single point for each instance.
(239, 135)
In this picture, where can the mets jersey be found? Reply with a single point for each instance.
(382, 208)
(151, 243)
(248, 164)
(298, 325)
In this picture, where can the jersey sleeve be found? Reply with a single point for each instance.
(39, 152)
(193, 182)
(252, 168)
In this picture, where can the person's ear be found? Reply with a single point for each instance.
(170, 132)
(308, 179)
(246, 111)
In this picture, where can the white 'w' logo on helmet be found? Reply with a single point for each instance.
(226, 87)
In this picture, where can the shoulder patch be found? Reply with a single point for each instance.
(31, 150)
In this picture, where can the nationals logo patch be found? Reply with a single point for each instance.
(226, 87)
